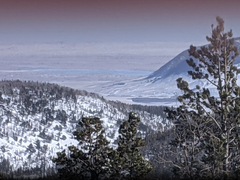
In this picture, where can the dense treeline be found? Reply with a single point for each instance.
(157, 110)
(36, 97)
(31, 87)
(27, 89)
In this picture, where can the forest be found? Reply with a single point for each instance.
(35, 116)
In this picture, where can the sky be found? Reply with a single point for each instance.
(118, 21)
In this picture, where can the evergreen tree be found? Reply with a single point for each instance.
(207, 127)
(94, 158)
(129, 162)
(90, 160)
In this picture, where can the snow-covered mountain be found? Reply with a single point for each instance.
(37, 121)
(178, 65)
(160, 87)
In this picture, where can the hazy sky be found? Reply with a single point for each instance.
(51, 21)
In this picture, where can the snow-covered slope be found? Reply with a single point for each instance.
(178, 65)
(160, 87)
(37, 121)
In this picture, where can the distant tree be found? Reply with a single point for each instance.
(38, 144)
(206, 127)
(31, 148)
(62, 116)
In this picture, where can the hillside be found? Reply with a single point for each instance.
(37, 120)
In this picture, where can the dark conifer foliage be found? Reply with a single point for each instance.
(129, 162)
(90, 160)
(207, 127)
(94, 159)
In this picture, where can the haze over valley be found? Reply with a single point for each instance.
(80, 67)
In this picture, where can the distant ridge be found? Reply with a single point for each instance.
(179, 66)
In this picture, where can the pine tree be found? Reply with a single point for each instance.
(94, 158)
(91, 159)
(129, 162)
(206, 126)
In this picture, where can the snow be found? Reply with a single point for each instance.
(157, 88)
(160, 87)
(23, 129)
